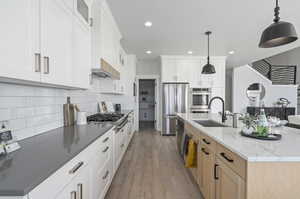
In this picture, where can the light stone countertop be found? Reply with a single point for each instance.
(285, 150)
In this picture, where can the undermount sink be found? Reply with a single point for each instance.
(209, 123)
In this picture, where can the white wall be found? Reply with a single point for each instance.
(245, 75)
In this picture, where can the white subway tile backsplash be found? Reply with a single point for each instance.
(33, 110)
(5, 114)
(12, 102)
(17, 124)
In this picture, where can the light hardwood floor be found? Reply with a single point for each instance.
(152, 169)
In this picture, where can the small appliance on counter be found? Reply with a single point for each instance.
(81, 118)
(69, 113)
(118, 108)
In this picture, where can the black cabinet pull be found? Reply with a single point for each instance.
(226, 158)
(215, 172)
(105, 149)
(203, 150)
(105, 140)
(205, 141)
(105, 176)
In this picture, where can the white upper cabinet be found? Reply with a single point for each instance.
(81, 67)
(42, 41)
(56, 42)
(188, 69)
(169, 70)
(105, 36)
(19, 38)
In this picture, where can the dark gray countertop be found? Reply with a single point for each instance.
(42, 155)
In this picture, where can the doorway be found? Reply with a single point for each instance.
(147, 104)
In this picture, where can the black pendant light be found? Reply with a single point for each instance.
(279, 33)
(208, 68)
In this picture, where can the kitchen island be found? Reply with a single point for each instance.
(232, 166)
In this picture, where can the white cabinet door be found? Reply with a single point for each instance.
(219, 77)
(56, 42)
(81, 66)
(169, 71)
(68, 192)
(19, 39)
(183, 71)
(82, 184)
(96, 34)
(107, 38)
(78, 187)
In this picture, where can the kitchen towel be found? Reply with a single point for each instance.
(191, 159)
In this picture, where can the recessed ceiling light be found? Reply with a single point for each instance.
(190, 52)
(148, 23)
(148, 51)
(231, 52)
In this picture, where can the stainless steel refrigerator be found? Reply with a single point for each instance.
(175, 100)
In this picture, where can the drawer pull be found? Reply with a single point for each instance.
(73, 195)
(79, 190)
(37, 62)
(205, 141)
(105, 176)
(203, 150)
(76, 167)
(215, 172)
(226, 158)
(105, 149)
(105, 140)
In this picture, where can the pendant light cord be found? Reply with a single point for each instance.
(276, 10)
(208, 33)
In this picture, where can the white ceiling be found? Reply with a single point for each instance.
(179, 26)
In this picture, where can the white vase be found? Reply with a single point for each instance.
(247, 130)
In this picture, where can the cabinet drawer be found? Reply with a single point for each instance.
(62, 177)
(234, 161)
(208, 142)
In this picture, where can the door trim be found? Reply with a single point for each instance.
(156, 78)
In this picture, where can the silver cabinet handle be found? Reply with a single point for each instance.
(73, 195)
(80, 190)
(105, 140)
(46, 65)
(105, 149)
(75, 168)
(105, 176)
(37, 64)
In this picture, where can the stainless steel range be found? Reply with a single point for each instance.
(118, 119)
(105, 117)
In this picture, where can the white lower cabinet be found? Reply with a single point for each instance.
(78, 188)
(90, 173)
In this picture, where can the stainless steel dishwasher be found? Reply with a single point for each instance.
(180, 134)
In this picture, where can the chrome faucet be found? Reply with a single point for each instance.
(224, 118)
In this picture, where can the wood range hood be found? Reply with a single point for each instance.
(106, 71)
